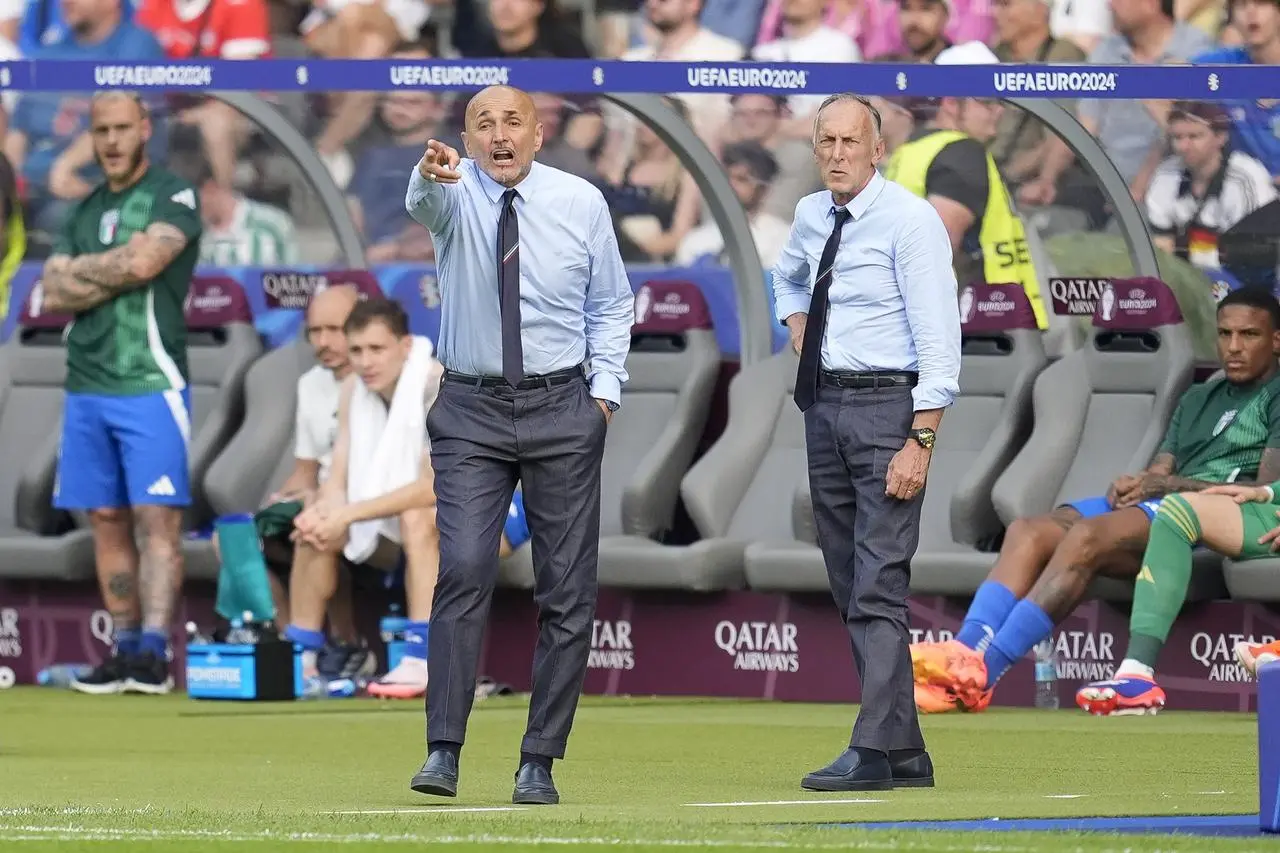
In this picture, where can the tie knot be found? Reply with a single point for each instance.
(842, 215)
(509, 197)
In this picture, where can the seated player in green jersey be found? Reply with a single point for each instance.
(1237, 521)
(1222, 431)
(122, 266)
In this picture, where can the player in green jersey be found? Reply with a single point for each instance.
(1224, 431)
(122, 267)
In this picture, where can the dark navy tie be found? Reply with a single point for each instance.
(509, 293)
(811, 349)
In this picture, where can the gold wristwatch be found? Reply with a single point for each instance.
(925, 437)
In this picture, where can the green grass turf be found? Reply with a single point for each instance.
(141, 773)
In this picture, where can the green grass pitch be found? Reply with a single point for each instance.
(139, 773)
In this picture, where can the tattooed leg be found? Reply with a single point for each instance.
(117, 565)
(160, 535)
(1028, 545)
(1112, 543)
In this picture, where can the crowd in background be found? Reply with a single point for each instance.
(1196, 169)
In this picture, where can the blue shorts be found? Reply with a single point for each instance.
(1091, 507)
(516, 528)
(119, 451)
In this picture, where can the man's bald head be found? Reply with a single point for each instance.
(326, 316)
(503, 133)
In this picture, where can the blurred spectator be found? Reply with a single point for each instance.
(1130, 131)
(239, 232)
(1205, 188)
(758, 118)
(357, 29)
(46, 123)
(614, 22)
(1255, 124)
(897, 122)
(735, 19)
(923, 26)
(806, 38)
(946, 162)
(655, 202)
(1082, 22)
(557, 151)
(215, 29)
(872, 24)
(532, 29)
(376, 191)
(8, 97)
(33, 23)
(1208, 16)
(750, 168)
(681, 38)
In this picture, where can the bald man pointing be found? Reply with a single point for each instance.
(536, 314)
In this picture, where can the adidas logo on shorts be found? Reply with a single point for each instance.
(162, 488)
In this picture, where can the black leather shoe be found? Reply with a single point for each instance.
(851, 772)
(534, 787)
(438, 776)
(912, 768)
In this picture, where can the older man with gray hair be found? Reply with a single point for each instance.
(866, 288)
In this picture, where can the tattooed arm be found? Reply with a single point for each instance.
(1157, 485)
(72, 285)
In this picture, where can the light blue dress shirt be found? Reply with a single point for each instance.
(576, 303)
(893, 295)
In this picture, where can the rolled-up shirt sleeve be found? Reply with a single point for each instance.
(922, 261)
(609, 311)
(431, 204)
(791, 294)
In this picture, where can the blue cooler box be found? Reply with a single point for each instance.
(265, 672)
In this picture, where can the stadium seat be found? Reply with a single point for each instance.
(1002, 354)
(673, 366)
(1253, 580)
(1102, 411)
(735, 493)
(222, 344)
(33, 368)
(259, 456)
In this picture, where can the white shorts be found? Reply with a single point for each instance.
(409, 15)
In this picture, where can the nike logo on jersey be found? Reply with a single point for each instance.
(186, 198)
(162, 488)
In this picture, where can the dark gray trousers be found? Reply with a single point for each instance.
(868, 540)
(484, 439)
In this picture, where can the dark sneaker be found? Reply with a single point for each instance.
(148, 674)
(337, 661)
(106, 678)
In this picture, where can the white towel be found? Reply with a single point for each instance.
(386, 446)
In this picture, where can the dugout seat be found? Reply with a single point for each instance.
(222, 344)
(673, 366)
(1002, 354)
(1102, 411)
(735, 494)
(1253, 580)
(35, 540)
(259, 457)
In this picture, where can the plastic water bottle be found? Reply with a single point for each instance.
(62, 674)
(1046, 676)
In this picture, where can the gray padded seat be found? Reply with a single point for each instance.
(1253, 580)
(259, 456)
(222, 344)
(1102, 411)
(33, 368)
(734, 493)
(673, 366)
(988, 423)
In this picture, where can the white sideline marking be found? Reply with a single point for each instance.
(814, 802)
(435, 810)
(1063, 796)
(1210, 793)
(61, 834)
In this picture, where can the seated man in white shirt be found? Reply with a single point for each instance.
(377, 507)
(751, 170)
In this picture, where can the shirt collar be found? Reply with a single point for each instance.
(860, 202)
(494, 190)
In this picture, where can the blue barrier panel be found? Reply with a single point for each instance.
(1202, 82)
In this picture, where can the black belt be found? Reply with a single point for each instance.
(868, 378)
(546, 380)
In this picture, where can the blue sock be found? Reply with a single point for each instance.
(991, 606)
(154, 642)
(311, 641)
(127, 641)
(415, 639)
(1026, 626)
